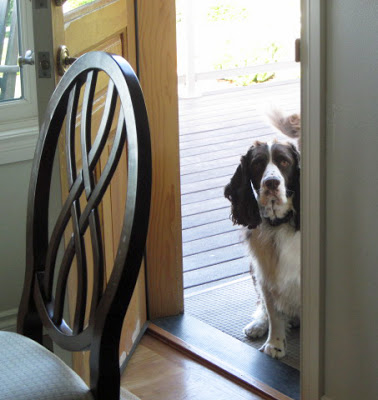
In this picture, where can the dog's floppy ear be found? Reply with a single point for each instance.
(244, 207)
(296, 188)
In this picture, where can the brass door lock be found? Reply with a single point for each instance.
(63, 60)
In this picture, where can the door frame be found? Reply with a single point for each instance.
(313, 109)
(313, 114)
(157, 71)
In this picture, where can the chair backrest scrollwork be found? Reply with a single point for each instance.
(101, 299)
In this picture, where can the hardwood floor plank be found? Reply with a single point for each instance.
(274, 378)
(156, 371)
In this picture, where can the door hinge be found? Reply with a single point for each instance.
(297, 50)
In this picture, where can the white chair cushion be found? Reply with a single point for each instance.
(28, 371)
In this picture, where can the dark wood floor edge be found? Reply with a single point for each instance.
(215, 364)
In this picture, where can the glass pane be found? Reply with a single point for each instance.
(10, 77)
(72, 4)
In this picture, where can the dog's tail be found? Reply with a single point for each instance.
(288, 125)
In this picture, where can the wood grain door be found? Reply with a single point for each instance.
(144, 33)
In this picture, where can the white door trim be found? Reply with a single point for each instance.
(313, 196)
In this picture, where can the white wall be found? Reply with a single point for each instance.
(14, 182)
(351, 337)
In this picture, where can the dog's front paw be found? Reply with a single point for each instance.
(256, 329)
(274, 347)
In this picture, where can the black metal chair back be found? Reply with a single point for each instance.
(100, 302)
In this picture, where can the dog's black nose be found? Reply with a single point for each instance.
(271, 182)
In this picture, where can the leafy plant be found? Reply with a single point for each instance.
(265, 55)
(226, 12)
(246, 80)
(9, 15)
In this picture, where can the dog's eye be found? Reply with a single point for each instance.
(284, 163)
(258, 164)
(258, 161)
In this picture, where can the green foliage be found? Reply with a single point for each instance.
(265, 55)
(229, 34)
(226, 12)
(9, 14)
(246, 80)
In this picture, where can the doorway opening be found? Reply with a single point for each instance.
(235, 60)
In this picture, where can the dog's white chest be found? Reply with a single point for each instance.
(288, 248)
(288, 274)
(279, 272)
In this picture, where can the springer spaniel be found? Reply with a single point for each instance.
(265, 198)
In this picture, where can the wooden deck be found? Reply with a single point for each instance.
(215, 130)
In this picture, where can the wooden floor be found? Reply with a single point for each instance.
(215, 130)
(158, 372)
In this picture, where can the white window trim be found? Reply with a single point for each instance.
(18, 141)
(18, 118)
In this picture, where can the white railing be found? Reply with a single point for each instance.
(191, 78)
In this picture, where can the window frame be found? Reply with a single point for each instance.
(18, 118)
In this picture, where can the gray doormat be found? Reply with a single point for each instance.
(229, 308)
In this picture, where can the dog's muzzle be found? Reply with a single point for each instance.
(271, 183)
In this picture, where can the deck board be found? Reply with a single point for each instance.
(213, 242)
(216, 129)
(192, 221)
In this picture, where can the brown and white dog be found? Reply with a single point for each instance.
(265, 198)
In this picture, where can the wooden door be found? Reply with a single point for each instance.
(110, 25)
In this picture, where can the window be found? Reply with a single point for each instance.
(18, 101)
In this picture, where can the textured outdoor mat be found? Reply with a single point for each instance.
(229, 308)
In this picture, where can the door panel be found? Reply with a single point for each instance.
(110, 25)
(104, 27)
